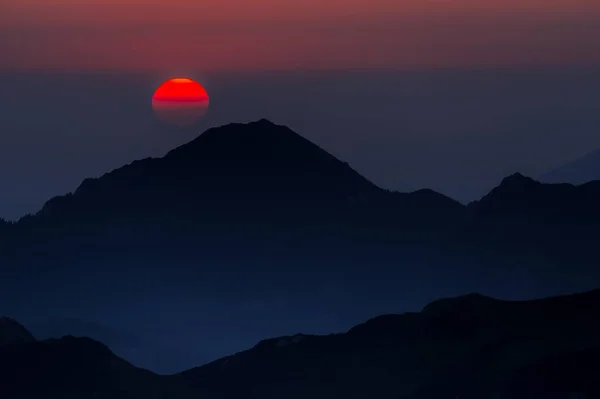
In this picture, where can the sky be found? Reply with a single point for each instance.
(457, 132)
(308, 34)
(449, 95)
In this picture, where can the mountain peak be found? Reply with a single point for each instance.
(264, 122)
(251, 141)
(518, 181)
(257, 164)
(512, 188)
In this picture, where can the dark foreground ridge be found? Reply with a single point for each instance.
(472, 347)
(11, 332)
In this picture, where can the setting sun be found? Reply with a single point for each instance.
(180, 101)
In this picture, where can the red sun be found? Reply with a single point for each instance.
(180, 102)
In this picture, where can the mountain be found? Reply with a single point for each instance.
(252, 185)
(260, 186)
(253, 211)
(253, 166)
(12, 332)
(468, 347)
(258, 167)
(472, 346)
(580, 171)
(70, 368)
(137, 350)
(60, 327)
(522, 214)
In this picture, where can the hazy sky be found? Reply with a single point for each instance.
(458, 132)
(515, 85)
(272, 34)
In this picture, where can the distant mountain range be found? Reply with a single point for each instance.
(579, 171)
(252, 185)
(472, 347)
(256, 207)
(261, 185)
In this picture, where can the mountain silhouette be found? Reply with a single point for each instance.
(467, 347)
(519, 196)
(138, 350)
(278, 198)
(471, 347)
(72, 368)
(266, 179)
(580, 171)
(252, 184)
(248, 208)
(558, 221)
(255, 165)
(12, 332)
(259, 167)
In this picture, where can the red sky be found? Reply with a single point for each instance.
(288, 34)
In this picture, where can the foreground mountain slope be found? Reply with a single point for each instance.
(11, 332)
(467, 347)
(70, 368)
(472, 346)
(138, 350)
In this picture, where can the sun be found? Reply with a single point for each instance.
(180, 101)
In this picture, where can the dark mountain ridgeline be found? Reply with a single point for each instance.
(72, 368)
(11, 332)
(258, 167)
(558, 221)
(138, 350)
(245, 199)
(522, 200)
(469, 347)
(252, 186)
(259, 185)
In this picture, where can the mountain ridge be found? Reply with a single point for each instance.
(257, 177)
(215, 145)
(262, 134)
(11, 332)
(375, 347)
(267, 191)
(440, 352)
